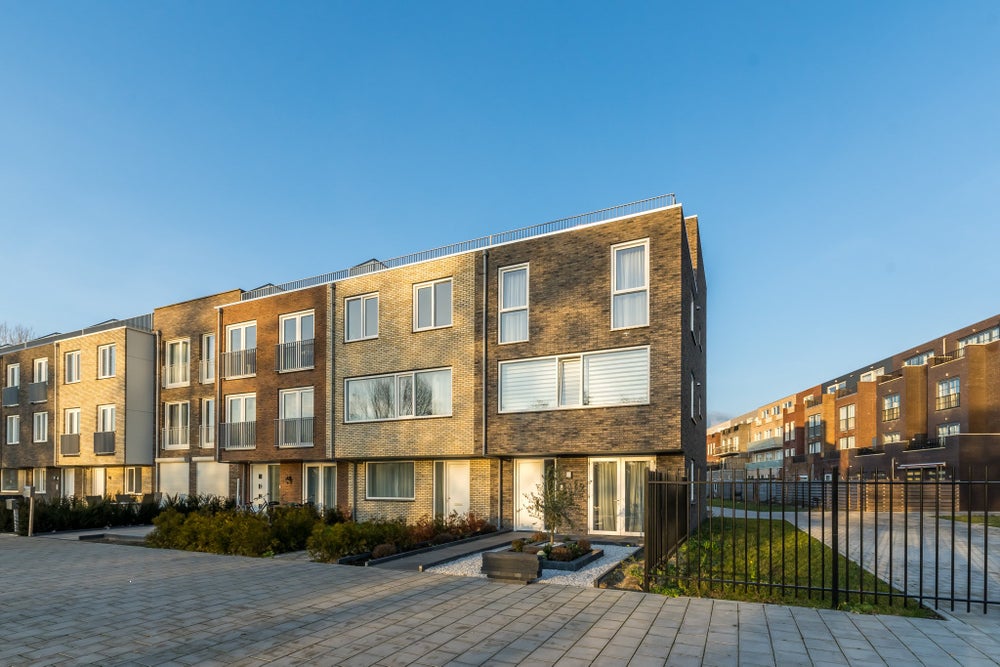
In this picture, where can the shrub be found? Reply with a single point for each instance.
(560, 554)
(517, 545)
(443, 538)
(292, 526)
(383, 550)
(584, 545)
(539, 536)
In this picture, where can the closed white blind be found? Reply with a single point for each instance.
(616, 378)
(528, 385)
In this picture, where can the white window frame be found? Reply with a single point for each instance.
(242, 398)
(133, 480)
(71, 421)
(321, 469)
(207, 425)
(815, 447)
(432, 284)
(185, 375)
(365, 301)
(208, 344)
(501, 311)
(13, 375)
(40, 427)
(368, 478)
(693, 385)
(299, 393)
(17, 476)
(72, 367)
(243, 328)
(40, 370)
(106, 361)
(297, 317)
(107, 409)
(557, 404)
(38, 479)
(631, 290)
(396, 395)
(846, 442)
(847, 416)
(943, 431)
(13, 428)
(183, 420)
(891, 437)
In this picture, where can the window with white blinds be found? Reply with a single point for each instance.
(589, 379)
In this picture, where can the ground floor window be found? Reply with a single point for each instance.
(38, 479)
(390, 480)
(618, 494)
(321, 485)
(9, 480)
(133, 480)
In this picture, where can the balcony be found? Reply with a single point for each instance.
(208, 437)
(294, 356)
(890, 414)
(239, 435)
(104, 442)
(38, 392)
(10, 398)
(946, 402)
(69, 444)
(207, 374)
(239, 363)
(293, 432)
(176, 437)
(176, 375)
(773, 442)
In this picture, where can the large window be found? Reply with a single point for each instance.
(176, 424)
(10, 480)
(361, 317)
(589, 379)
(946, 430)
(240, 431)
(295, 351)
(399, 396)
(13, 429)
(918, 359)
(514, 304)
(847, 418)
(177, 370)
(391, 480)
(240, 358)
(321, 485)
(432, 305)
(981, 338)
(630, 285)
(106, 361)
(72, 365)
(890, 407)
(40, 430)
(295, 423)
(947, 394)
(846, 442)
(814, 426)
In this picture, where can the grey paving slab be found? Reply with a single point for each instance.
(126, 605)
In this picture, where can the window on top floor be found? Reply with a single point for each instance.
(432, 304)
(106, 361)
(513, 304)
(295, 351)
(980, 338)
(14, 375)
(361, 317)
(176, 370)
(72, 366)
(630, 284)
(40, 370)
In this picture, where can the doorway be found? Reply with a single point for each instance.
(529, 475)
(451, 488)
(617, 499)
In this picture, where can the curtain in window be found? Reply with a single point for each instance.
(514, 318)
(390, 480)
(630, 274)
(513, 326)
(329, 486)
(635, 494)
(605, 495)
(312, 484)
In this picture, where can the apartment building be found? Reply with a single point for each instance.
(91, 402)
(444, 381)
(927, 412)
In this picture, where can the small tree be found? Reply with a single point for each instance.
(553, 502)
(15, 333)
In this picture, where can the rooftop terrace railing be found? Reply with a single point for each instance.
(603, 215)
(142, 322)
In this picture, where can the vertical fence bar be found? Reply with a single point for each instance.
(968, 544)
(835, 540)
(746, 536)
(906, 537)
(892, 536)
(732, 524)
(875, 538)
(954, 497)
(784, 495)
(937, 536)
(698, 514)
(920, 533)
(822, 532)
(986, 538)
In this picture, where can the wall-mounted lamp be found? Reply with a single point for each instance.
(288, 480)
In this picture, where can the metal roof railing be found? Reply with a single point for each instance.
(603, 215)
(142, 322)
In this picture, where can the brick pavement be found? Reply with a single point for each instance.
(67, 603)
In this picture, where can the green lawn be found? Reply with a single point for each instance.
(774, 557)
(994, 519)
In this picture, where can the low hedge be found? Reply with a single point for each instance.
(57, 514)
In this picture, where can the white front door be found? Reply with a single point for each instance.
(264, 483)
(617, 495)
(529, 475)
(69, 482)
(99, 482)
(456, 487)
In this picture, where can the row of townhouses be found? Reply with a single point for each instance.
(930, 412)
(445, 381)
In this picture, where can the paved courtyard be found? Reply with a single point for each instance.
(66, 602)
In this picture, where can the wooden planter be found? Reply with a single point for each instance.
(572, 565)
(512, 566)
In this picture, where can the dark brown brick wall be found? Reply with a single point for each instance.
(26, 453)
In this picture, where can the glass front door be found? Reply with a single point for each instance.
(618, 495)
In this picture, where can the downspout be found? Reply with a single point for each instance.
(55, 417)
(158, 374)
(354, 489)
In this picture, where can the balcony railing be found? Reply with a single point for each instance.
(239, 435)
(104, 442)
(890, 414)
(294, 356)
(69, 444)
(176, 436)
(207, 437)
(38, 392)
(10, 396)
(207, 375)
(293, 432)
(176, 375)
(946, 402)
(239, 363)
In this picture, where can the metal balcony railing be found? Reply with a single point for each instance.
(239, 363)
(207, 437)
(293, 432)
(176, 375)
(239, 435)
(38, 392)
(294, 356)
(207, 374)
(10, 397)
(104, 442)
(890, 414)
(176, 436)
(946, 402)
(69, 444)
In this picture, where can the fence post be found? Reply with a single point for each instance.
(835, 541)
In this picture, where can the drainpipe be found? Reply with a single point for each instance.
(354, 489)
(158, 374)
(55, 417)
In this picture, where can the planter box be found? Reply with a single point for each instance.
(511, 566)
(572, 565)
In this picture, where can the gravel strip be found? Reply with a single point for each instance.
(585, 577)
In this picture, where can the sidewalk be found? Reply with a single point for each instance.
(115, 605)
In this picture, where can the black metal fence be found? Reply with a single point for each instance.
(908, 542)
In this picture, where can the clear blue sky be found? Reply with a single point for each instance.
(844, 158)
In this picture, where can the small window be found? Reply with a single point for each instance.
(391, 480)
(630, 285)
(72, 367)
(361, 317)
(106, 361)
(177, 370)
(38, 479)
(105, 418)
(40, 431)
(14, 375)
(432, 305)
(846, 442)
(10, 480)
(71, 421)
(176, 424)
(514, 304)
(13, 429)
(41, 370)
(208, 358)
(208, 422)
(133, 481)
